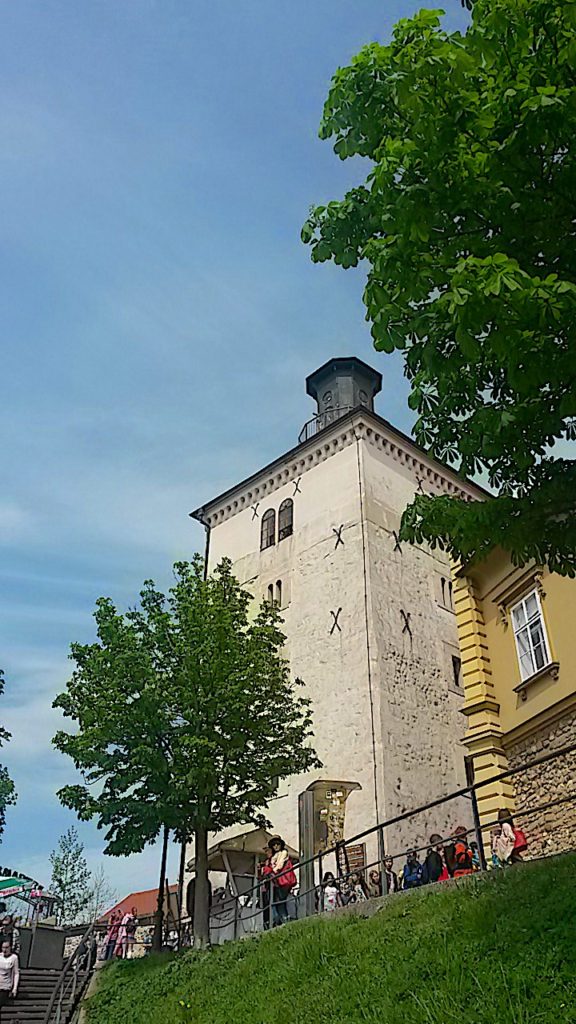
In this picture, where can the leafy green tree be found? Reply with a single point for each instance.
(186, 718)
(71, 879)
(466, 224)
(7, 791)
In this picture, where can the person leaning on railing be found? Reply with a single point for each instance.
(9, 974)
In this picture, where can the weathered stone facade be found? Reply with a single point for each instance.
(553, 830)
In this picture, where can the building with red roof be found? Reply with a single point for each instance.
(145, 903)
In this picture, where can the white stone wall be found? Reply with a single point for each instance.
(420, 754)
(319, 579)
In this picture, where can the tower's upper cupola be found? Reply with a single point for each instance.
(339, 386)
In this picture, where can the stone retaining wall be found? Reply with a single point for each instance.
(554, 830)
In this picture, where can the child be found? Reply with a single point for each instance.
(476, 865)
(412, 873)
(330, 898)
(494, 837)
(359, 891)
(462, 853)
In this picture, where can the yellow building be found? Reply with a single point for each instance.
(517, 631)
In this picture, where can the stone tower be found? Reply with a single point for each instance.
(369, 620)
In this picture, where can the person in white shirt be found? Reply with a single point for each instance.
(9, 974)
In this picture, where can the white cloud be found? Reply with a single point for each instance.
(16, 522)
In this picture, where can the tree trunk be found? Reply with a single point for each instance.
(201, 890)
(181, 907)
(159, 915)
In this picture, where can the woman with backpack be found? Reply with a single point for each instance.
(283, 879)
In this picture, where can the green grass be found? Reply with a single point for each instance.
(499, 951)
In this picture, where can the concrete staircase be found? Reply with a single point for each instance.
(30, 1006)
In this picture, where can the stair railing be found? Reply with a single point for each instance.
(72, 981)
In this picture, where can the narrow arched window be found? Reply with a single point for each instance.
(268, 529)
(286, 519)
(270, 599)
(279, 593)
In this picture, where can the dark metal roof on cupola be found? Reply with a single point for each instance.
(345, 366)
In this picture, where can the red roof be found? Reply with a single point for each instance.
(145, 903)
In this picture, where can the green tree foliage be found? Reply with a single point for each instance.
(185, 715)
(71, 879)
(7, 791)
(466, 223)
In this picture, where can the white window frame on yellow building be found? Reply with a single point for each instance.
(524, 627)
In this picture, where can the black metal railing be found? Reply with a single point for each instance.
(253, 910)
(73, 980)
(322, 420)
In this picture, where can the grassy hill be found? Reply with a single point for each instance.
(496, 951)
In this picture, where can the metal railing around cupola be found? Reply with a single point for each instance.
(324, 419)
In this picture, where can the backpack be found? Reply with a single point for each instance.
(520, 841)
(463, 858)
(287, 880)
(412, 875)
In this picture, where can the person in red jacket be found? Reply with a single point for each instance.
(283, 879)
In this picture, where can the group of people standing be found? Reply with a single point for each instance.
(445, 859)
(120, 939)
(456, 857)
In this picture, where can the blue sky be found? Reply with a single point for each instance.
(159, 312)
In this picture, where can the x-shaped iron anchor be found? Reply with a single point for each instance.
(335, 624)
(406, 622)
(339, 539)
(255, 509)
(297, 486)
(397, 545)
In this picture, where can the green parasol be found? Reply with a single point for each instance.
(13, 886)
